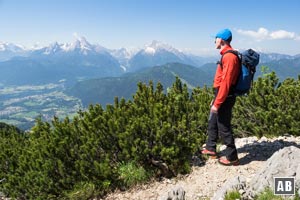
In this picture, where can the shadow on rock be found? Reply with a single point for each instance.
(262, 151)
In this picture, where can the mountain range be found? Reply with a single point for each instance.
(69, 62)
(95, 74)
(81, 60)
(74, 57)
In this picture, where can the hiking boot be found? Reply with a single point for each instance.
(211, 154)
(226, 162)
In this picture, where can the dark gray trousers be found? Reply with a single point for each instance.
(219, 124)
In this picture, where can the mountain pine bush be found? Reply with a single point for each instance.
(156, 133)
(12, 140)
(271, 108)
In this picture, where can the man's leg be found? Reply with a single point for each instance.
(224, 126)
(212, 132)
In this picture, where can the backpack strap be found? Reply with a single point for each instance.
(233, 52)
(239, 55)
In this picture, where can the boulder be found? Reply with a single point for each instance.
(237, 183)
(283, 163)
(176, 193)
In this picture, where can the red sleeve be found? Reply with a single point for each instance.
(230, 65)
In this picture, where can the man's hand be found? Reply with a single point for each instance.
(213, 109)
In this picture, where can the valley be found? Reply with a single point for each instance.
(21, 105)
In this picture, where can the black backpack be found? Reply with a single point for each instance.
(249, 59)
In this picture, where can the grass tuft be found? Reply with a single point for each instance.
(132, 174)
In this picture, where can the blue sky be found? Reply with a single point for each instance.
(267, 25)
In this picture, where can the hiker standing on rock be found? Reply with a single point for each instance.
(219, 123)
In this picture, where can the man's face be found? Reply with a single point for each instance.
(218, 43)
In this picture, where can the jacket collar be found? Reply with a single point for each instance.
(226, 48)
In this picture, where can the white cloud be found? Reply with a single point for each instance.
(282, 34)
(260, 34)
(265, 34)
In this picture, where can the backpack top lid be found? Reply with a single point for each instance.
(250, 58)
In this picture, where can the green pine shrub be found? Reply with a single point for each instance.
(271, 108)
(12, 140)
(155, 134)
(163, 128)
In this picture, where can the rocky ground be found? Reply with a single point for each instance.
(205, 180)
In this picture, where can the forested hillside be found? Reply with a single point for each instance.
(103, 90)
(154, 134)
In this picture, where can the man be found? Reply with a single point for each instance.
(219, 123)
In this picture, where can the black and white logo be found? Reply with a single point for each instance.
(284, 185)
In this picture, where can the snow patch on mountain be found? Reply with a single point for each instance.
(80, 44)
(150, 50)
(52, 48)
(157, 46)
(10, 50)
(11, 47)
(122, 53)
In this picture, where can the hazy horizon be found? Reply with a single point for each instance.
(190, 26)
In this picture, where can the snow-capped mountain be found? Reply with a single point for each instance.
(83, 46)
(156, 46)
(268, 57)
(51, 49)
(75, 61)
(79, 46)
(10, 50)
(123, 55)
(11, 47)
(157, 53)
(83, 60)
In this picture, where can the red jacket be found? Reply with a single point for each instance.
(226, 76)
